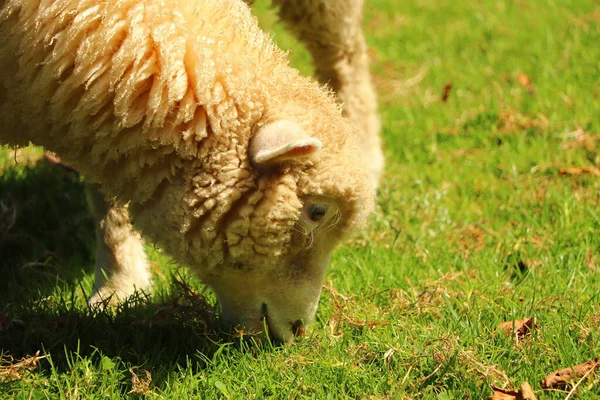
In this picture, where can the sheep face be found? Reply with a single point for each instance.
(280, 295)
(278, 249)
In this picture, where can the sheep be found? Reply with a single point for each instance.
(185, 116)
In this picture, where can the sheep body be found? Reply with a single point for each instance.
(158, 102)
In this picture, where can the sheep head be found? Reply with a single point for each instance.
(311, 195)
(258, 219)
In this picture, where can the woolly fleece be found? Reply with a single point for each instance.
(158, 101)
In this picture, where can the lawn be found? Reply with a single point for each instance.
(489, 211)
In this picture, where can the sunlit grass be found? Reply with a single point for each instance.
(478, 222)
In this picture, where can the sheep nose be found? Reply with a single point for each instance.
(298, 328)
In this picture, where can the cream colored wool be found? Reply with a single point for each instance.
(158, 102)
(332, 32)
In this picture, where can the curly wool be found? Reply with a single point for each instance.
(157, 100)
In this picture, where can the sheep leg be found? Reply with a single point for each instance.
(332, 32)
(121, 264)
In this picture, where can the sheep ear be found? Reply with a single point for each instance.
(279, 141)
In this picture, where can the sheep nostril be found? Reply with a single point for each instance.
(298, 328)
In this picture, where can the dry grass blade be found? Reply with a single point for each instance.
(399, 88)
(573, 391)
(579, 138)
(186, 306)
(341, 309)
(564, 377)
(519, 329)
(510, 120)
(580, 171)
(491, 373)
(12, 371)
(140, 385)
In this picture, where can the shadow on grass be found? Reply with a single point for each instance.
(46, 244)
(136, 331)
(44, 225)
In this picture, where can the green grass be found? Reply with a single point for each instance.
(475, 226)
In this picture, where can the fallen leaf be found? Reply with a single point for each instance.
(524, 80)
(525, 392)
(504, 394)
(579, 171)
(563, 377)
(519, 328)
(446, 92)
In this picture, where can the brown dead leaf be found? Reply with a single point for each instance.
(525, 392)
(446, 92)
(524, 80)
(563, 377)
(580, 171)
(519, 328)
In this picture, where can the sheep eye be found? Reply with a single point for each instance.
(316, 212)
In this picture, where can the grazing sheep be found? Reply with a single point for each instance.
(185, 114)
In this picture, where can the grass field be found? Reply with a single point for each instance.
(489, 212)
